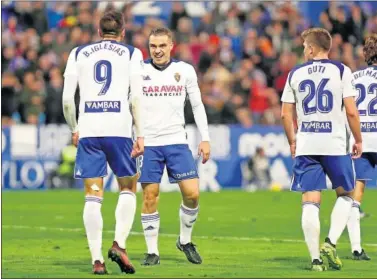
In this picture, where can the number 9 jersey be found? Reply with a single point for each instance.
(318, 88)
(104, 72)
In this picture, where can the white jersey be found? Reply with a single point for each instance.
(318, 88)
(103, 70)
(366, 85)
(164, 96)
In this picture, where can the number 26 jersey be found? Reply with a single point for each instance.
(318, 88)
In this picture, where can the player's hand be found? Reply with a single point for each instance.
(357, 150)
(204, 150)
(293, 149)
(75, 138)
(138, 148)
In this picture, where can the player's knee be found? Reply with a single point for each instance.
(93, 190)
(150, 200)
(191, 199)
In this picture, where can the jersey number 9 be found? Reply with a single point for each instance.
(103, 75)
(323, 98)
(371, 108)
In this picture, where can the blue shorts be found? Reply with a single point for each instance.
(309, 173)
(94, 153)
(365, 166)
(178, 159)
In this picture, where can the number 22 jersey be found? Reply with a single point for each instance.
(318, 88)
(366, 85)
(104, 70)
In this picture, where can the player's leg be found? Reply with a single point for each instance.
(150, 220)
(364, 168)
(182, 168)
(309, 178)
(118, 150)
(152, 167)
(91, 166)
(341, 173)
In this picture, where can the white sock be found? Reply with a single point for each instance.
(188, 217)
(339, 217)
(151, 227)
(353, 226)
(124, 217)
(93, 226)
(311, 227)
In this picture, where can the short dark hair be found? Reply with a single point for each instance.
(112, 23)
(319, 37)
(370, 49)
(162, 31)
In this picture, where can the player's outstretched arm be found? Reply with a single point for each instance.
(70, 85)
(287, 116)
(199, 112)
(349, 94)
(136, 104)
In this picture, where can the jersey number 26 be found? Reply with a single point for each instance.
(103, 75)
(323, 98)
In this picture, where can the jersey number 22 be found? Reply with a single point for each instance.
(371, 108)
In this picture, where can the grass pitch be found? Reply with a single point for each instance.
(238, 234)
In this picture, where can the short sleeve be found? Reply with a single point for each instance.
(71, 67)
(288, 94)
(348, 85)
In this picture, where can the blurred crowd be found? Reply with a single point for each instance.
(242, 54)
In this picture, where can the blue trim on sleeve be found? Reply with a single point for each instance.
(295, 69)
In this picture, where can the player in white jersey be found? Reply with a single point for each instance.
(366, 166)
(167, 85)
(320, 90)
(106, 71)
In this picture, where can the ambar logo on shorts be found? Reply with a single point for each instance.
(102, 106)
(184, 174)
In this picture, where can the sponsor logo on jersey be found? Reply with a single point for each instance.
(177, 77)
(164, 90)
(367, 127)
(316, 127)
(102, 106)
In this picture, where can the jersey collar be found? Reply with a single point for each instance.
(161, 68)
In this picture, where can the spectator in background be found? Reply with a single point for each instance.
(178, 12)
(9, 90)
(242, 52)
(257, 171)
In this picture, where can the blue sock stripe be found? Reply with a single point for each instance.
(149, 221)
(127, 193)
(146, 218)
(313, 203)
(93, 199)
(189, 211)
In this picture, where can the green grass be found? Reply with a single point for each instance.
(238, 234)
